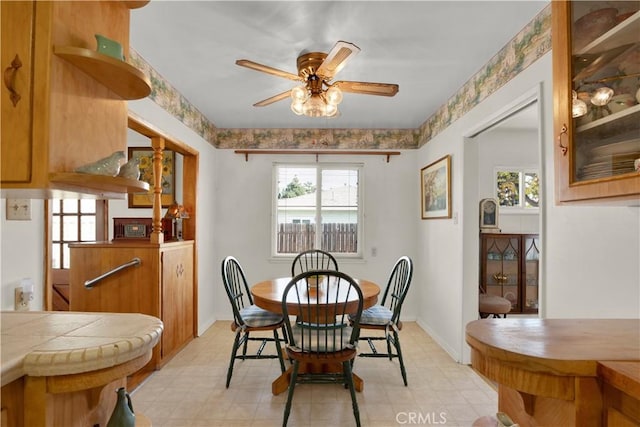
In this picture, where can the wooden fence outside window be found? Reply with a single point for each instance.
(336, 238)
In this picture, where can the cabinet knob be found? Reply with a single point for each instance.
(179, 270)
(10, 79)
(564, 148)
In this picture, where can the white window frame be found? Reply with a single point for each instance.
(319, 166)
(521, 208)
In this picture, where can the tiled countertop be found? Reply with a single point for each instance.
(60, 343)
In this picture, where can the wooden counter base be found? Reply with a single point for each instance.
(64, 369)
(547, 370)
(67, 400)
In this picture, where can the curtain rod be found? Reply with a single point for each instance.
(388, 154)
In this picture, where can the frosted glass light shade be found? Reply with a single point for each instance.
(299, 93)
(333, 95)
(314, 107)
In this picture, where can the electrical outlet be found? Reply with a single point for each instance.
(22, 301)
(19, 209)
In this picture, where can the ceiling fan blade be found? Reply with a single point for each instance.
(368, 88)
(266, 69)
(275, 98)
(336, 59)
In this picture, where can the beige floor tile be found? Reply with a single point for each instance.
(190, 390)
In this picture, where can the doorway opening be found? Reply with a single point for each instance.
(510, 140)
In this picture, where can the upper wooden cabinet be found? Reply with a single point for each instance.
(63, 103)
(596, 66)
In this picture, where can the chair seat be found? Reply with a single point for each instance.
(377, 315)
(493, 304)
(320, 340)
(256, 317)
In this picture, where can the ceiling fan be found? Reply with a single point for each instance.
(318, 96)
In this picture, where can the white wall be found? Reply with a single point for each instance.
(589, 265)
(22, 254)
(243, 194)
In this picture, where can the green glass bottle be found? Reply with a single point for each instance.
(122, 415)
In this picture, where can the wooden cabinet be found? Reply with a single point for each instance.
(63, 103)
(596, 51)
(509, 269)
(177, 291)
(161, 285)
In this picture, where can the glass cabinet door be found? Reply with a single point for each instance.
(596, 53)
(530, 274)
(502, 268)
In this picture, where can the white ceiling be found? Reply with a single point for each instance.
(429, 48)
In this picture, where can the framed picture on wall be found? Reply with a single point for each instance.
(489, 215)
(144, 155)
(435, 189)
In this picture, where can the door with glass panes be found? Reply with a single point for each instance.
(70, 221)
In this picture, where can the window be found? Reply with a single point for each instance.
(517, 189)
(71, 221)
(305, 218)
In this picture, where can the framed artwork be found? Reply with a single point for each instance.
(489, 214)
(435, 186)
(144, 155)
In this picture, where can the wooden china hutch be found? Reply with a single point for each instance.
(596, 77)
(509, 269)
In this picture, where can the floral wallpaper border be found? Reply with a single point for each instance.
(524, 49)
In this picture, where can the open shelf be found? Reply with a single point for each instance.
(122, 78)
(136, 4)
(631, 113)
(97, 184)
(622, 34)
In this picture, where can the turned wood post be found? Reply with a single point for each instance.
(157, 143)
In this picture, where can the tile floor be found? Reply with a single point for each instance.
(190, 389)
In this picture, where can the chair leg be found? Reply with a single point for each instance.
(244, 346)
(292, 385)
(396, 343)
(389, 346)
(278, 349)
(234, 350)
(348, 377)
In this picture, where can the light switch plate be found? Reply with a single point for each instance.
(19, 209)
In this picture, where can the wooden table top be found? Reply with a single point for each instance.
(561, 346)
(268, 294)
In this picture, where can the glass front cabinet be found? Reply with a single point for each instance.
(596, 76)
(509, 269)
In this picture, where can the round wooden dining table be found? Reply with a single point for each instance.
(268, 295)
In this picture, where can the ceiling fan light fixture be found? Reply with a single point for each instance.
(317, 96)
